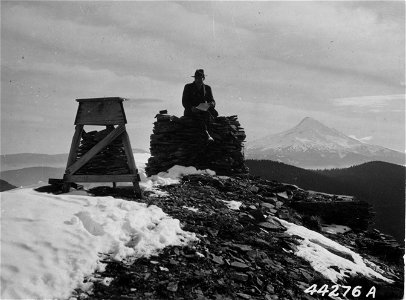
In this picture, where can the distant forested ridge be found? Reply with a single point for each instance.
(32, 175)
(379, 183)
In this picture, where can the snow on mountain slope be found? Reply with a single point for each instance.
(312, 144)
(308, 134)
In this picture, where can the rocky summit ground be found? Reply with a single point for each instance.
(240, 254)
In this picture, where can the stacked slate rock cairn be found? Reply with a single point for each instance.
(112, 160)
(182, 141)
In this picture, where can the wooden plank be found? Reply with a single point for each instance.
(129, 152)
(75, 145)
(96, 149)
(100, 113)
(118, 99)
(101, 178)
(101, 122)
(73, 153)
(122, 109)
(131, 164)
(66, 187)
(61, 182)
(54, 181)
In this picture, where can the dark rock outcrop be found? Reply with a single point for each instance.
(181, 141)
(353, 213)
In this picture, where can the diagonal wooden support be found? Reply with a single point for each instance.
(73, 152)
(75, 145)
(131, 163)
(96, 149)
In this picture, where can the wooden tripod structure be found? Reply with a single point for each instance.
(107, 112)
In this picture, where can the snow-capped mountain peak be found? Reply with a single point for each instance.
(312, 124)
(317, 145)
(309, 133)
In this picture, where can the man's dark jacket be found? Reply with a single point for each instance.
(193, 96)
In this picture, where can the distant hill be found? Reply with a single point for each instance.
(379, 183)
(285, 173)
(28, 176)
(26, 160)
(311, 144)
(5, 186)
(24, 169)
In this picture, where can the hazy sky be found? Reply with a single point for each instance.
(271, 63)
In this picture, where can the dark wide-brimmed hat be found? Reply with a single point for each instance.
(199, 73)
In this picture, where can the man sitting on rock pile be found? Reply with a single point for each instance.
(198, 102)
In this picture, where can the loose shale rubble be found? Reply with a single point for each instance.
(244, 253)
(180, 141)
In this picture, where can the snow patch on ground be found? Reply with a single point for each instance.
(323, 253)
(190, 208)
(50, 243)
(234, 205)
(335, 229)
(171, 176)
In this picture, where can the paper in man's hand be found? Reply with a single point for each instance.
(203, 106)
